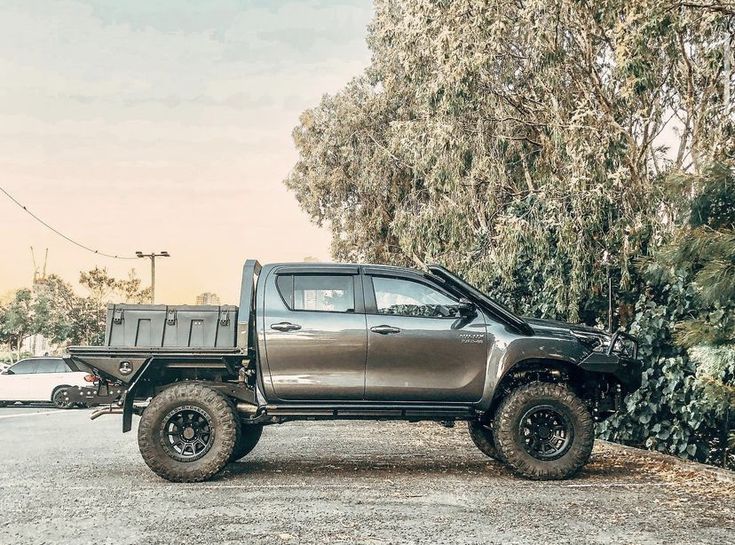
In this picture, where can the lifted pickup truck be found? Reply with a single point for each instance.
(336, 341)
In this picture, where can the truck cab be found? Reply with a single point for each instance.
(369, 334)
(353, 341)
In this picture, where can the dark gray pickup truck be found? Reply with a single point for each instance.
(334, 341)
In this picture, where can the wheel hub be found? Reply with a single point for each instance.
(187, 433)
(545, 432)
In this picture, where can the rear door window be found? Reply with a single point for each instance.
(324, 293)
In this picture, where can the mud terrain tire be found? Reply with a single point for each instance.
(188, 433)
(544, 431)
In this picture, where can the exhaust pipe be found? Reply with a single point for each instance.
(105, 410)
(247, 408)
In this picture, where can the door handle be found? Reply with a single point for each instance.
(285, 326)
(384, 329)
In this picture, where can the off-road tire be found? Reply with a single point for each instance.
(247, 439)
(59, 399)
(482, 437)
(510, 444)
(224, 426)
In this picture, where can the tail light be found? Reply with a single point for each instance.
(90, 378)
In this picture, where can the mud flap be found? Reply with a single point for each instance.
(129, 398)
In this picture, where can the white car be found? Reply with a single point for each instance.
(41, 379)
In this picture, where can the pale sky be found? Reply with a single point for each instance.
(164, 125)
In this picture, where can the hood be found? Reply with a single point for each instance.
(544, 326)
(589, 336)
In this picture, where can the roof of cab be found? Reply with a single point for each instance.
(328, 265)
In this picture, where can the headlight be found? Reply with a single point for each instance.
(593, 340)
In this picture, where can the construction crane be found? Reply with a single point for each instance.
(39, 278)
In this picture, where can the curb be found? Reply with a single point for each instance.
(717, 473)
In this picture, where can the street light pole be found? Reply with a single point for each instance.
(152, 256)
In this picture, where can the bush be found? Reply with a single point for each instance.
(670, 412)
(686, 325)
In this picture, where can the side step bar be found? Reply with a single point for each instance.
(430, 412)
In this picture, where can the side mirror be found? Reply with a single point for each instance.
(466, 307)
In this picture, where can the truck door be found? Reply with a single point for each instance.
(314, 333)
(419, 347)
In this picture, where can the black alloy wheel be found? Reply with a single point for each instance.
(187, 433)
(546, 432)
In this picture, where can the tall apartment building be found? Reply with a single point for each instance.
(208, 298)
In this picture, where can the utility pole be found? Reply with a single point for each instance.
(152, 256)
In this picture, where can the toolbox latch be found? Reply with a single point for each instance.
(117, 316)
(171, 316)
(224, 317)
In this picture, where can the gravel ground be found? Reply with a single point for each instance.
(64, 479)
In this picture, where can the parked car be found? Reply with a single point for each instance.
(41, 380)
(338, 341)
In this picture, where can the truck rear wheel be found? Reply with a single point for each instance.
(544, 431)
(188, 433)
(482, 437)
(246, 441)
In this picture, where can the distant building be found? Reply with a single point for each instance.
(311, 259)
(208, 298)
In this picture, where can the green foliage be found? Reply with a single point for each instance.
(686, 322)
(54, 310)
(515, 142)
(16, 319)
(104, 288)
(666, 413)
(716, 373)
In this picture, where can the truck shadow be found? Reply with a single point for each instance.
(600, 468)
(328, 466)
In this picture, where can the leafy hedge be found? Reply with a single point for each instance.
(685, 322)
(670, 412)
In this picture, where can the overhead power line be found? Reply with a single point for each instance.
(62, 235)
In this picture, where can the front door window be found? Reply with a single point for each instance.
(399, 297)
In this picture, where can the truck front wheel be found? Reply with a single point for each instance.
(188, 433)
(544, 431)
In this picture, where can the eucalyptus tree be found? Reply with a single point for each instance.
(521, 143)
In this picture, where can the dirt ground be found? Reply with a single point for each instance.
(64, 479)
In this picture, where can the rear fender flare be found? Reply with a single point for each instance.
(229, 389)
